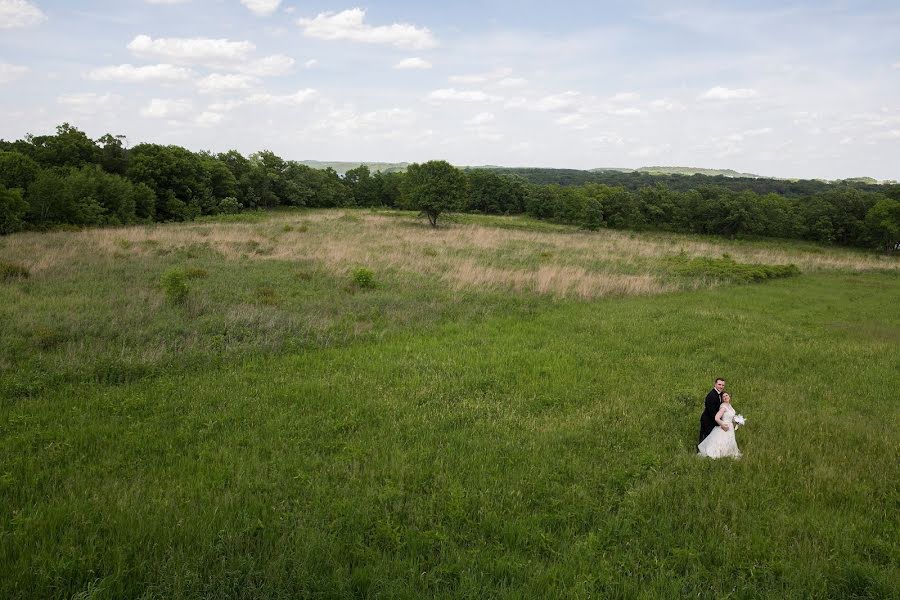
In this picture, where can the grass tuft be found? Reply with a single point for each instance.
(363, 278)
(265, 294)
(174, 284)
(11, 271)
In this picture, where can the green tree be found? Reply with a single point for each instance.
(113, 155)
(17, 170)
(12, 210)
(883, 224)
(540, 201)
(176, 176)
(388, 187)
(222, 183)
(70, 147)
(144, 201)
(433, 188)
(491, 193)
(362, 186)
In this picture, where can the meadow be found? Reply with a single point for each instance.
(503, 407)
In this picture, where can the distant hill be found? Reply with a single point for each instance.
(685, 171)
(342, 167)
(862, 180)
(578, 176)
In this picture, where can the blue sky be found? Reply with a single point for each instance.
(809, 89)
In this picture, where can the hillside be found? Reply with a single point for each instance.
(342, 167)
(699, 171)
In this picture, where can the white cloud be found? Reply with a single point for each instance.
(10, 72)
(262, 99)
(19, 13)
(741, 135)
(893, 134)
(648, 151)
(489, 135)
(573, 120)
(625, 97)
(217, 82)
(896, 65)
(451, 94)
(626, 112)
(723, 93)
(159, 108)
(607, 139)
(759, 131)
(481, 77)
(349, 25)
(89, 102)
(215, 53)
(516, 102)
(131, 74)
(512, 82)
(413, 63)
(209, 118)
(386, 123)
(204, 51)
(268, 66)
(310, 63)
(665, 105)
(296, 99)
(261, 8)
(481, 119)
(565, 101)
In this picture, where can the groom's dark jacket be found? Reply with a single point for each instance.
(708, 418)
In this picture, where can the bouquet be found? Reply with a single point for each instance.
(739, 421)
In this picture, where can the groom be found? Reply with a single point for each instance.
(710, 408)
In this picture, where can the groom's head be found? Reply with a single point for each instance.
(720, 384)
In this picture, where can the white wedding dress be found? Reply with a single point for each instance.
(721, 443)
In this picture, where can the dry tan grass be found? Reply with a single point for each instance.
(565, 263)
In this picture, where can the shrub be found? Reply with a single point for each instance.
(9, 271)
(196, 273)
(727, 269)
(363, 279)
(174, 282)
(230, 206)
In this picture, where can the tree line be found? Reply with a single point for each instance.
(635, 180)
(69, 179)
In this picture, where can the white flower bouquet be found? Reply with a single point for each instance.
(739, 421)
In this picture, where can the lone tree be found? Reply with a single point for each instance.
(433, 188)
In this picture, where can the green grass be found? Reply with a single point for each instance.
(281, 434)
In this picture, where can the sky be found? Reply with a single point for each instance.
(805, 89)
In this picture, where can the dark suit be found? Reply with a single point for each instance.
(708, 417)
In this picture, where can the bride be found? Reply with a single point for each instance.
(721, 442)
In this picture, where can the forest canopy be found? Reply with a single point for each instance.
(68, 179)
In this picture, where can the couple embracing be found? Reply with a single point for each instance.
(717, 424)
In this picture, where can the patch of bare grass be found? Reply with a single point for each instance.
(465, 255)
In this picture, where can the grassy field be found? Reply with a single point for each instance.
(509, 412)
